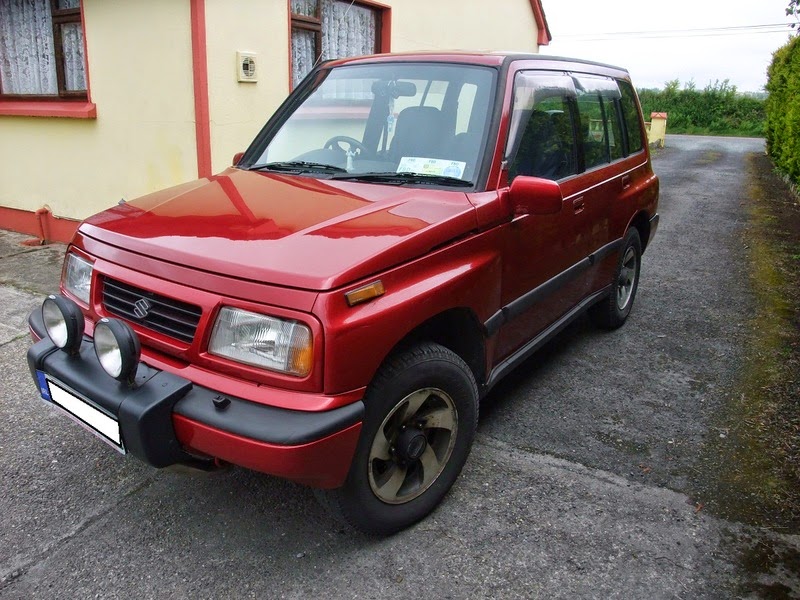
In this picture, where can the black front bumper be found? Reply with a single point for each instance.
(145, 412)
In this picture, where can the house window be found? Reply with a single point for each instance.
(41, 49)
(327, 29)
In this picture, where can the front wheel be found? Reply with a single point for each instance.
(421, 412)
(613, 311)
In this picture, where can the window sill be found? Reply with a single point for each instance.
(71, 109)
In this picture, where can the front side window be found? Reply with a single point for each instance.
(41, 49)
(386, 121)
(541, 140)
(328, 29)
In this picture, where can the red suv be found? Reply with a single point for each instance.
(403, 232)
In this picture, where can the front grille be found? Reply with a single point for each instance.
(164, 315)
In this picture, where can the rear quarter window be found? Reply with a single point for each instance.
(630, 115)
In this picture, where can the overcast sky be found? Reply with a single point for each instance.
(725, 44)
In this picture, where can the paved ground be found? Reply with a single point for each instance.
(600, 468)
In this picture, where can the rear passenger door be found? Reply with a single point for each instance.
(607, 173)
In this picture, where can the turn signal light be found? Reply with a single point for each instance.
(365, 293)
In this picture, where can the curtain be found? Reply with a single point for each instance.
(306, 8)
(72, 42)
(303, 54)
(347, 29)
(27, 57)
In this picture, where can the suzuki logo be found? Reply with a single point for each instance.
(141, 308)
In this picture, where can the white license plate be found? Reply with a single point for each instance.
(93, 419)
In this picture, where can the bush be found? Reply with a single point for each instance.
(783, 109)
(716, 110)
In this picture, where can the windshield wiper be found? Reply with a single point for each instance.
(298, 166)
(406, 177)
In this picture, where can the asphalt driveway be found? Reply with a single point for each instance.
(601, 469)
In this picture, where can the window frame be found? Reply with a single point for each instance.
(67, 103)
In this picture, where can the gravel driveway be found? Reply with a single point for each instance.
(602, 467)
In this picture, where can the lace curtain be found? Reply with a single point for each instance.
(27, 53)
(72, 43)
(347, 30)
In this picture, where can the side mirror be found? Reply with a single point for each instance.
(535, 196)
(236, 158)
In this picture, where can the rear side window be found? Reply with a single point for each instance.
(600, 120)
(630, 114)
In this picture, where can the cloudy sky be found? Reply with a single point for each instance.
(699, 40)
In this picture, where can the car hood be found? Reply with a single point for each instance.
(285, 230)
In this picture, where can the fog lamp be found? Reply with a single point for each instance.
(64, 323)
(118, 350)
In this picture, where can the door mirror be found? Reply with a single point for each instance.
(535, 196)
(236, 158)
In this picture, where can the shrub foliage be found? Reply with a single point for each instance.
(783, 109)
(716, 110)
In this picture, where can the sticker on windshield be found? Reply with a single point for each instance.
(431, 166)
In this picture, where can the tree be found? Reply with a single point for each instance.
(793, 10)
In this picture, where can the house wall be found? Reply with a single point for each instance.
(239, 110)
(141, 79)
(463, 25)
(142, 139)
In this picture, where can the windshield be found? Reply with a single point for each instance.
(391, 122)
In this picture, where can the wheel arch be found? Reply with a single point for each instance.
(458, 330)
(641, 221)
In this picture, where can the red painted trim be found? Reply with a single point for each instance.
(541, 23)
(200, 69)
(322, 463)
(86, 58)
(42, 224)
(49, 108)
(386, 30)
(289, 23)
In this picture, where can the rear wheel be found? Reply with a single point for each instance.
(613, 311)
(421, 412)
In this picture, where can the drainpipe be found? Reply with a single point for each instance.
(42, 217)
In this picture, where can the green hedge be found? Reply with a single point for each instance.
(716, 110)
(783, 109)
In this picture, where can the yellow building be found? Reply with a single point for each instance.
(103, 100)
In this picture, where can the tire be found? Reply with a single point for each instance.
(421, 412)
(612, 312)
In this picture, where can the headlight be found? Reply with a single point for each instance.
(117, 348)
(268, 342)
(78, 277)
(64, 323)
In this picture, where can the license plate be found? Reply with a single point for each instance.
(84, 413)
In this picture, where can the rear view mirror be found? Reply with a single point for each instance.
(535, 196)
(394, 89)
(236, 158)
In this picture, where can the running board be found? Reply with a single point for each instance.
(502, 369)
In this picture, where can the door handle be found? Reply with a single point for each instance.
(578, 205)
(626, 182)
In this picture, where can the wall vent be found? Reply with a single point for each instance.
(246, 67)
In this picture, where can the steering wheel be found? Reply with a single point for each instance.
(354, 143)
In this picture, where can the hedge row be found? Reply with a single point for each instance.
(716, 110)
(783, 109)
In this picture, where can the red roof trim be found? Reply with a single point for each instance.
(541, 23)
